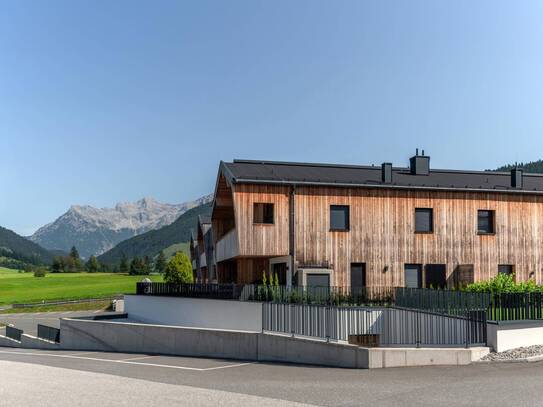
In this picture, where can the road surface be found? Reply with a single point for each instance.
(64, 378)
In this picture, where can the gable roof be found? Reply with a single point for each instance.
(293, 173)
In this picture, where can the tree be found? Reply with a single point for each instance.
(58, 264)
(92, 265)
(123, 267)
(136, 266)
(178, 270)
(146, 265)
(74, 254)
(160, 263)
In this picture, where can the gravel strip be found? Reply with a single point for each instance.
(515, 354)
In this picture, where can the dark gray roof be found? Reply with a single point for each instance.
(273, 172)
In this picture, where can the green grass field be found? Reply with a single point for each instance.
(24, 287)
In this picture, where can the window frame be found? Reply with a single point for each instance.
(492, 222)
(263, 213)
(347, 221)
(425, 232)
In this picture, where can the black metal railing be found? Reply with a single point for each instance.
(212, 291)
(447, 302)
(390, 326)
(48, 333)
(14, 333)
(515, 306)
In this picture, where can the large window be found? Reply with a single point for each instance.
(485, 221)
(339, 217)
(424, 220)
(263, 213)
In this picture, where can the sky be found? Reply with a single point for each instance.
(111, 101)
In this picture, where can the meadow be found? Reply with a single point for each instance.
(18, 287)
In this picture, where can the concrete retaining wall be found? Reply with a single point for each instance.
(195, 312)
(78, 334)
(514, 334)
(28, 342)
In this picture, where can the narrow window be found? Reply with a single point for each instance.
(263, 213)
(424, 220)
(505, 269)
(485, 221)
(339, 217)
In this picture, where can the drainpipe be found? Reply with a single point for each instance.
(291, 235)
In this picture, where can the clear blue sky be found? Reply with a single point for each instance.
(106, 101)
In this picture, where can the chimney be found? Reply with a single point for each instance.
(516, 178)
(420, 164)
(386, 173)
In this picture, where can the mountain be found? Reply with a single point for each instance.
(96, 230)
(150, 243)
(16, 250)
(533, 167)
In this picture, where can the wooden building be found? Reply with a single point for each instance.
(341, 225)
(202, 253)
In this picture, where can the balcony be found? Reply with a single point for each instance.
(228, 246)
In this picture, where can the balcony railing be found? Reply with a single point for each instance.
(228, 246)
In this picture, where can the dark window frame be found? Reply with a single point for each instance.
(492, 222)
(511, 266)
(425, 210)
(264, 217)
(347, 221)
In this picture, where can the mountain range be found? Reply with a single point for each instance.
(96, 230)
(152, 242)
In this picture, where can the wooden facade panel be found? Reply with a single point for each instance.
(262, 239)
(382, 232)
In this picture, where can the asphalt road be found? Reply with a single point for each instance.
(28, 322)
(173, 381)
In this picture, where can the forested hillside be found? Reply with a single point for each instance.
(152, 242)
(16, 251)
(534, 166)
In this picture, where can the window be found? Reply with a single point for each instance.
(505, 269)
(485, 221)
(413, 275)
(339, 217)
(424, 220)
(435, 276)
(263, 213)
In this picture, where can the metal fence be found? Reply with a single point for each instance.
(391, 326)
(515, 306)
(48, 333)
(441, 301)
(211, 291)
(14, 333)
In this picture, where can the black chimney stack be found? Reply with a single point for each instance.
(386, 173)
(420, 164)
(516, 178)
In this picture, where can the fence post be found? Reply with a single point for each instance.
(417, 328)
(291, 319)
(327, 323)
(467, 322)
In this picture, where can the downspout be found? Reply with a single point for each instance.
(292, 235)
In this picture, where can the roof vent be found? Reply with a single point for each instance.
(516, 178)
(386, 173)
(420, 164)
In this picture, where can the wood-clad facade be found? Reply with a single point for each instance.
(381, 233)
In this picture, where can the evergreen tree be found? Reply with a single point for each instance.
(123, 266)
(92, 265)
(146, 265)
(74, 254)
(160, 263)
(58, 264)
(178, 269)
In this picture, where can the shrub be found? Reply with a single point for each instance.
(504, 283)
(39, 272)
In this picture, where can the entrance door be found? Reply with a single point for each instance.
(318, 285)
(281, 270)
(436, 276)
(413, 275)
(358, 277)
